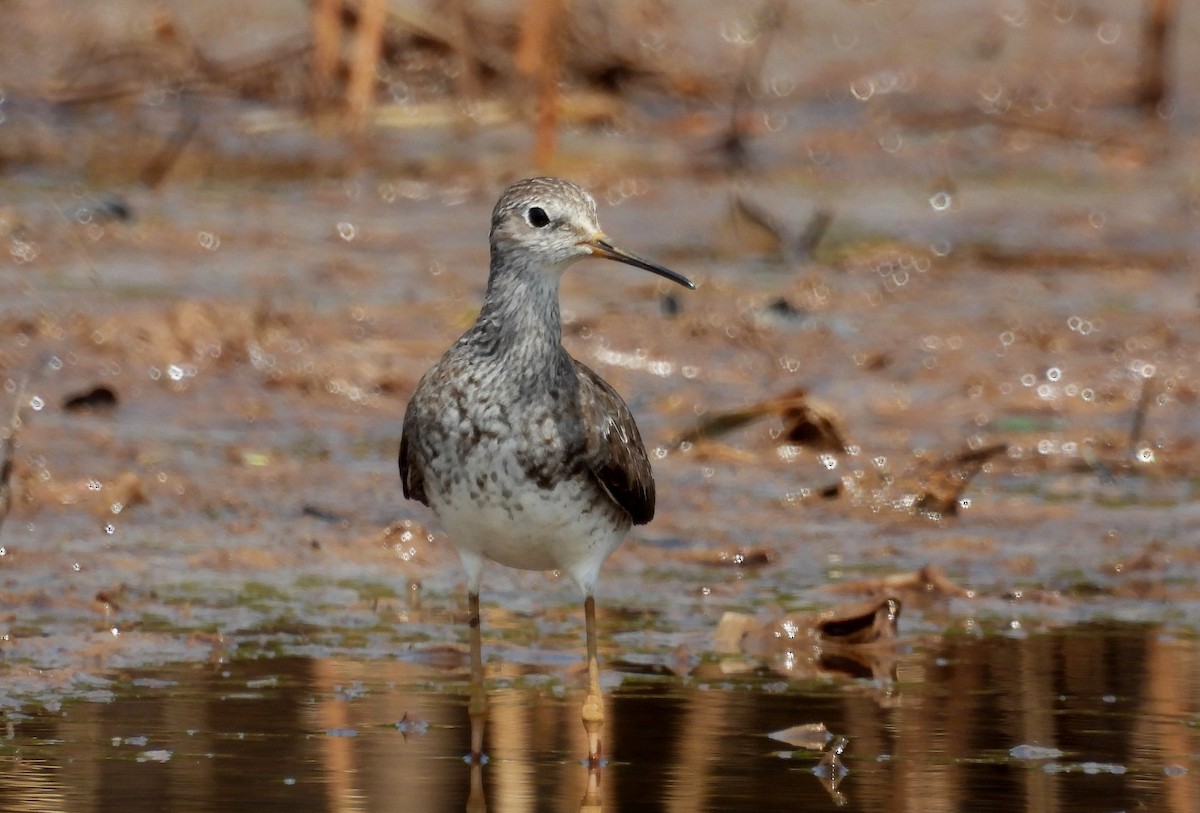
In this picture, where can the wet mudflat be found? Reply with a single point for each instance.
(975, 394)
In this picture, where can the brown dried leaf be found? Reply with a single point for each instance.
(806, 422)
(929, 580)
(950, 478)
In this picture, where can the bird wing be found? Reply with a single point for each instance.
(615, 454)
(412, 478)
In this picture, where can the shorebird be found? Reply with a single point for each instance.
(527, 457)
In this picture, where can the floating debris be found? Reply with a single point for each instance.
(806, 422)
(930, 580)
(855, 640)
(96, 399)
(944, 486)
(813, 736)
(1034, 752)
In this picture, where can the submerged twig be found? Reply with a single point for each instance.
(1138, 423)
(7, 445)
(766, 24)
(1152, 80)
(539, 57)
(162, 161)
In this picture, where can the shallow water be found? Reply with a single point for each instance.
(1096, 717)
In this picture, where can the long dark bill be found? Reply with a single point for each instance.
(602, 248)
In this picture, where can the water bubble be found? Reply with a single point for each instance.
(862, 89)
(75, 567)
(652, 41)
(1145, 455)
(1097, 219)
(828, 461)
(209, 241)
(845, 41)
(941, 201)
(1108, 32)
(400, 92)
(175, 372)
(995, 100)
(1015, 13)
(782, 86)
(346, 231)
(94, 485)
(36, 403)
(1007, 338)
(1053, 374)
(891, 143)
(739, 32)
(774, 122)
(109, 529)
(1028, 380)
(23, 251)
(1064, 12)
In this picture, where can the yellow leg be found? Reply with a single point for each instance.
(477, 704)
(591, 793)
(593, 705)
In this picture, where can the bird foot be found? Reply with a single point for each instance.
(593, 724)
(477, 708)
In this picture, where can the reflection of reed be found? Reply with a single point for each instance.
(1172, 693)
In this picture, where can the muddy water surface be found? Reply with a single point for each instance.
(237, 512)
(998, 723)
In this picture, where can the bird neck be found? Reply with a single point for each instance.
(520, 314)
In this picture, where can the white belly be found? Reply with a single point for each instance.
(519, 525)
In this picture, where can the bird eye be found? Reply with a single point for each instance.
(537, 217)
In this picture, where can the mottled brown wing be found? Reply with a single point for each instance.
(614, 447)
(412, 479)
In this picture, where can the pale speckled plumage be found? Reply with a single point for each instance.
(528, 457)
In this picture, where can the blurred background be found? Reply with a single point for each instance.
(943, 361)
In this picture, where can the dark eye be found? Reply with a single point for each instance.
(537, 217)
